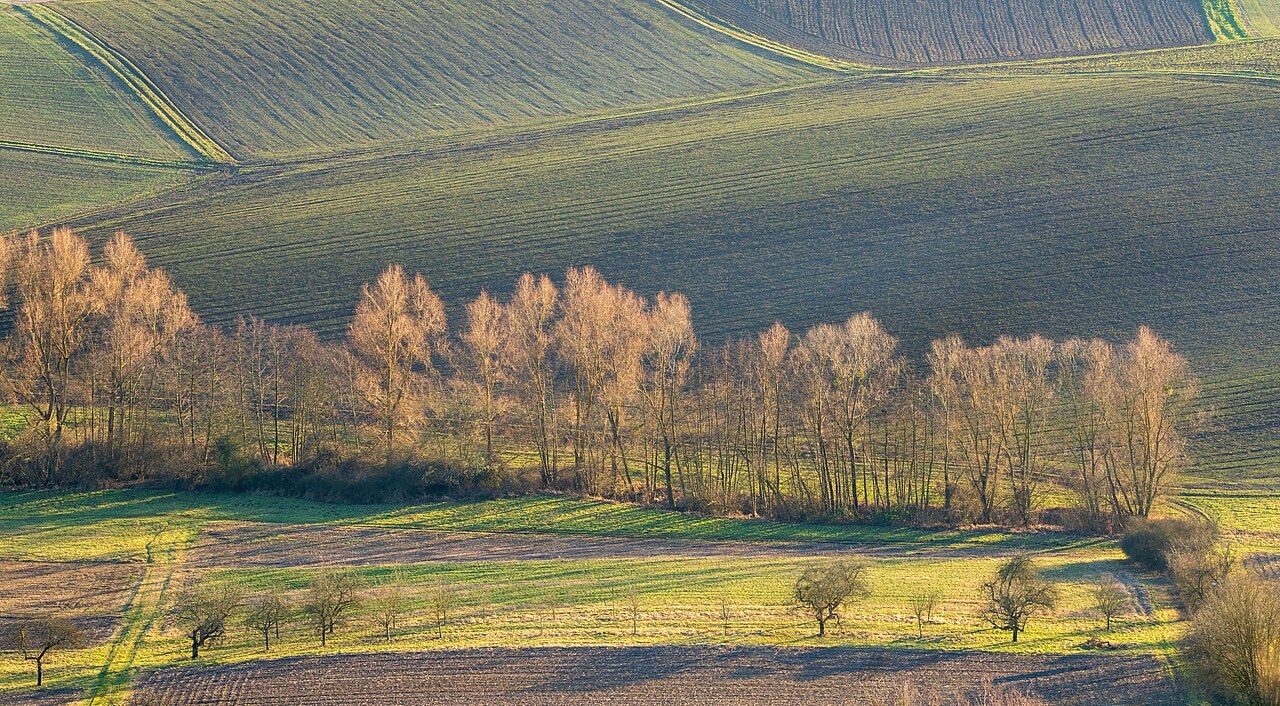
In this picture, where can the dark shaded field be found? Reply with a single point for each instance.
(648, 675)
(907, 32)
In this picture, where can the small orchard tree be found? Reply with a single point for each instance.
(443, 600)
(330, 596)
(202, 612)
(724, 613)
(1111, 599)
(824, 588)
(922, 604)
(266, 614)
(37, 637)
(388, 604)
(1015, 594)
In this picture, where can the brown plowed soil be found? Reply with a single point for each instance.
(912, 32)
(231, 544)
(654, 675)
(89, 594)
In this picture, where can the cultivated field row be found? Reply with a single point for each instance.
(975, 30)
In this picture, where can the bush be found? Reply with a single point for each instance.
(1237, 635)
(1149, 542)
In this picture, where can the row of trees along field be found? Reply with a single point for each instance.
(585, 387)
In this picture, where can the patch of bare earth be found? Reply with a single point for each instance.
(92, 595)
(241, 544)
(651, 675)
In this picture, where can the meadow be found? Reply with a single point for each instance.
(693, 581)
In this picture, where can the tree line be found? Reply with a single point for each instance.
(585, 387)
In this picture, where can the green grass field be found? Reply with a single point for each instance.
(507, 602)
(51, 97)
(41, 188)
(1261, 17)
(271, 79)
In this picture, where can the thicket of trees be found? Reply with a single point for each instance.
(587, 387)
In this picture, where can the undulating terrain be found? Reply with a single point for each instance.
(1071, 168)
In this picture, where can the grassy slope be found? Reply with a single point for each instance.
(1261, 17)
(1058, 204)
(281, 77)
(50, 97)
(39, 188)
(505, 602)
(1260, 57)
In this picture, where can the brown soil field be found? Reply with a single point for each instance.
(649, 675)
(90, 594)
(909, 32)
(225, 544)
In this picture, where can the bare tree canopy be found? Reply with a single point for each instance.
(602, 390)
(37, 637)
(202, 612)
(1016, 594)
(330, 596)
(823, 589)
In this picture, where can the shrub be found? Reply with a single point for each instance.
(1237, 633)
(1148, 542)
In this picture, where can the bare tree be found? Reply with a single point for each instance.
(37, 637)
(724, 613)
(923, 603)
(388, 604)
(141, 314)
(822, 589)
(331, 595)
(1111, 599)
(669, 354)
(52, 326)
(483, 341)
(1148, 401)
(528, 356)
(1016, 594)
(398, 326)
(266, 614)
(443, 600)
(201, 611)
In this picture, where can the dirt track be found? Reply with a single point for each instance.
(648, 675)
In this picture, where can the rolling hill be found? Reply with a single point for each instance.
(285, 77)
(1067, 205)
(906, 32)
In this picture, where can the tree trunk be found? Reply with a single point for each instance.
(39, 672)
(822, 627)
(195, 648)
(1015, 633)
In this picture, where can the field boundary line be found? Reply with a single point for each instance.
(759, 42)
(137, 82)
(113, 157)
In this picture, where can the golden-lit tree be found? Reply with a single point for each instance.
(398, 326)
